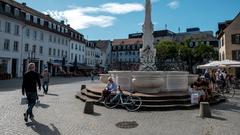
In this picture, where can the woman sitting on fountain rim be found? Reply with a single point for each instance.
(111, 87)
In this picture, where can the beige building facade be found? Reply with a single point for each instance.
(229, 37)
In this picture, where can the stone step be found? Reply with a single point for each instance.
(159, 96)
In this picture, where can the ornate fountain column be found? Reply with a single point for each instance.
(147, 52)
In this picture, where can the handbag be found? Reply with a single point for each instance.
(24, 100)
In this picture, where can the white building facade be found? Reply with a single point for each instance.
(27, 35)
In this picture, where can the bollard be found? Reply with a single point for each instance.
(89, 108)
(83, 87)
(205, 110)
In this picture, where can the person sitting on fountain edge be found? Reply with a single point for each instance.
(111, 87)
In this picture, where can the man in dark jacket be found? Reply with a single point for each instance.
(29, 87)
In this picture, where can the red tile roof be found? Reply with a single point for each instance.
(132, 41)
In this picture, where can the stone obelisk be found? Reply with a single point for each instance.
(147, 52)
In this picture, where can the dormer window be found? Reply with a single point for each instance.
(58, 28)
(27, 17)
(54, 26)
(62, 29)
(34, 19)
(7, 8)
(41, 22)
(66, 30)
(71, 34)
(49, 25)
(16, 12)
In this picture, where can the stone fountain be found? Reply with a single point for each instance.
(147, 79)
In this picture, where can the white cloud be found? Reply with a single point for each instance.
(116, 8)
(85, 17)
(173, 4)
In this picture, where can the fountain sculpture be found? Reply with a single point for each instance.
(147, 79)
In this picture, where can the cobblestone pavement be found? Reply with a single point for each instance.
(61, 113)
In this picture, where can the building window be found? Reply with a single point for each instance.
(236, 39)
(58, 28)
(62, 41)
(54, 39)
(50, 51)
(71, 56)
(6, 44)
(66, 42)
(66, 53)
(7, 8)
(16, 30)
(76, 47)
(27, 32)
(42, 22)
(26, 47)
(34, 48)
(222, 41)
(49, 25)
(58, 53)
(54, 26)
(58, 40)
(8, 27)
(42, 36)
(62, 53)
(27, 16)
(15, 46)
(54, 52)
(50, 38)
(79, 48)
(35, 35)
(79, 57)
(16, 12)
(34, 19)
(41, 50)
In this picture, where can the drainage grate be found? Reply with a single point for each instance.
(127, 124)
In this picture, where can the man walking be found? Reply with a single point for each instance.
(29, 87)
(45, 80)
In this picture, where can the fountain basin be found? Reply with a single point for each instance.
(152, 81)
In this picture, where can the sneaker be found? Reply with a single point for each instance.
(25, 117)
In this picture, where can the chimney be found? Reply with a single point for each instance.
(62, 21)
(68, 25)
(24, 4)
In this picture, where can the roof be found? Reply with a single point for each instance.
(131, 41)
(223, 25)
(102, 44)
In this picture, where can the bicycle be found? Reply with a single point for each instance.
(131, 103)
(226, 89)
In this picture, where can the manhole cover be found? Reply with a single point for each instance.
(127, 124)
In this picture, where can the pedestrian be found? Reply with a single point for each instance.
(92, 76)
(29, 87)
(45, 80)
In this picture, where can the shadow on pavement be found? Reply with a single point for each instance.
(41, 105)
(51, 94)
(228, 106)
(42, 129)
(218, 118)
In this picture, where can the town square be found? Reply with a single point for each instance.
(119, 67)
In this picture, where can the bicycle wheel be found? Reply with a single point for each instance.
(229, 92)
(111, 101)
(133, 103)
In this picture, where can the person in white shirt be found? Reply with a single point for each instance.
(111, 87)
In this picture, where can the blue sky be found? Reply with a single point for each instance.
(114, 19)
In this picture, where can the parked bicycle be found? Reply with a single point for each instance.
(131, 103)
(226, 89)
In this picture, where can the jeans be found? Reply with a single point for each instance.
(31, 97)
(45, 86)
